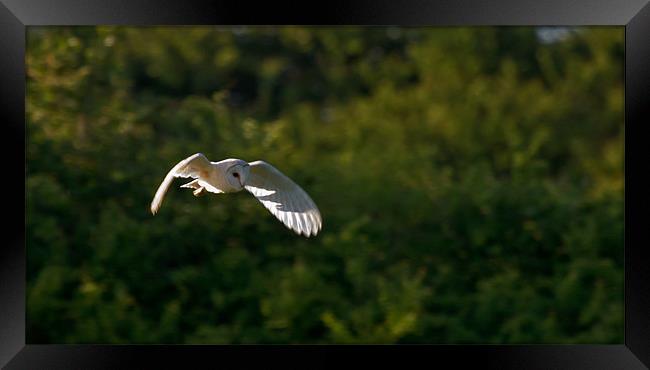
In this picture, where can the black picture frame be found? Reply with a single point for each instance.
(634, 15)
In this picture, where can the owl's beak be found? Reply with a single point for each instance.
(243, 178)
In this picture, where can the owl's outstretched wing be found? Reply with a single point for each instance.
(284, 199)
(195, 166)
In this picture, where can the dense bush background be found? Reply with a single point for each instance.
(470, 181)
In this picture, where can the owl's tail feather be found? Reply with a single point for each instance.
(194, 184)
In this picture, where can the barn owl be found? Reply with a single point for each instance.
(278, 193)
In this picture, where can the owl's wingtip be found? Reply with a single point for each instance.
(311, 233)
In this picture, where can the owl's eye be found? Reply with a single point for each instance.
(235, 174)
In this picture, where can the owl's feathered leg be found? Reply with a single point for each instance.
(200, 190)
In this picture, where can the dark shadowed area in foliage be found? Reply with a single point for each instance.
(470, 182)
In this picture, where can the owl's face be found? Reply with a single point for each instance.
(237, 175)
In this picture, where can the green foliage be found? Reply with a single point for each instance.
(470, 181)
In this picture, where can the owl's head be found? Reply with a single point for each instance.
(237, 174)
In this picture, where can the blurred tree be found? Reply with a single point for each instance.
(470, 180)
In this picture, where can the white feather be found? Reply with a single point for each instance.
(192, 166)
(287, 201)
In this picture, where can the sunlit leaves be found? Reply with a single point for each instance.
(470, 181)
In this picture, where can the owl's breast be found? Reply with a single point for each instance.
(217, 178)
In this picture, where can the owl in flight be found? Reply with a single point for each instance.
(281, 196)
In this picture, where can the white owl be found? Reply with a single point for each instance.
(281, 196)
